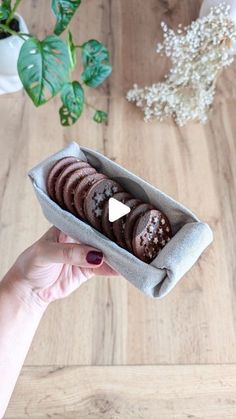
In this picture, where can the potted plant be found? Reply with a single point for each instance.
(10, 46)
(44, 67)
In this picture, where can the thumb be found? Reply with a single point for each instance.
(71, 254)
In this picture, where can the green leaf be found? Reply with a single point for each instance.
(72, 51)
(94, 52)
(5, 9)
(43, 67)
(94, 75)
(64, 10)
(72, 97)
(4, 13)
(95, 59)
(6, 4)
(100, 116)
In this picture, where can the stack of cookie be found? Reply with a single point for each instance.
(77, 187)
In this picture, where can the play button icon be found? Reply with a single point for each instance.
(116, 209)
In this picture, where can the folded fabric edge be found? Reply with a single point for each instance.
(202, 237)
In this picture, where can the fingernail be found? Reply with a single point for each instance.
(94, 257)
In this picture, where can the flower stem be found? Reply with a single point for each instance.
(12, 14)
(9, 30)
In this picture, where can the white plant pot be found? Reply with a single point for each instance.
(207, 4)
(9, 53)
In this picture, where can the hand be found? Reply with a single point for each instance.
(51, 268)
(55, 266)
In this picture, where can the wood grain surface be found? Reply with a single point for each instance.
(147, 392)
(109, 322)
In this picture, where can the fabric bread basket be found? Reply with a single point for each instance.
(190, 235)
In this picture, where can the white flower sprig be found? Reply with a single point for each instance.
(198, 53)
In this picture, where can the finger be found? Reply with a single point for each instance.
(67, 283)
(106, 270)
(56, 235)
(71, 254)
(103, 270)
(52, 234)
(63, 238)
(67, 239)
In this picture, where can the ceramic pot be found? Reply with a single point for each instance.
(207, 4)
(9, 53)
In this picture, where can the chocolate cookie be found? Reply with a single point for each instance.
(55, 172)
(119, 225)
(151, 233)
(62, 178)
(107, 226)
(96, 197)
(81, 191)
(131, 220)
(76, 186)
(71, 184)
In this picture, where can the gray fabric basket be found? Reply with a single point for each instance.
(156, 280)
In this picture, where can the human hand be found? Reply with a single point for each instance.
(51, 268)
(55, 266)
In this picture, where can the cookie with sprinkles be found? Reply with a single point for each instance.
(118, 226)
(107, 226)
(152, 231)
(95, 200)
(131, 220)
(71, 184)
(81, 191)
(62, 178)
(55, 172)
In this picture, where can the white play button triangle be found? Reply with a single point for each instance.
(116, 209)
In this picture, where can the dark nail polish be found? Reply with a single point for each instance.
(94, 257)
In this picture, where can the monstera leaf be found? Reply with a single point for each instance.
(95, 59)
(95, 74)
(100, 116)
(6, 4)
(64, 10)
(4, 13)
(5, 9)
(72, 97)
(94, 52)
(43, 67)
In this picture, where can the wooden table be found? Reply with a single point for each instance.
(108, 351)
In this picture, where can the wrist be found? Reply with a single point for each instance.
(22, 290)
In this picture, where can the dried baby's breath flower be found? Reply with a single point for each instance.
(198, 53)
